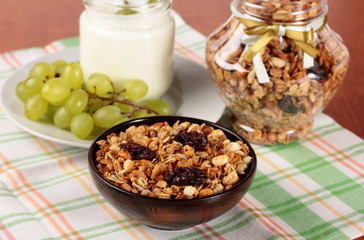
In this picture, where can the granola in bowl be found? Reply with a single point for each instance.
(183, 160)
(171, 172)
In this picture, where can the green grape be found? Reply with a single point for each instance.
(50, 112)
(143, 113)
(35, 107)
(56, 90)
(94, 104)
(31, 86)
(77, 101)
(58, 66)
(107, 116)
(82, 125)
(42, 70)
(100, 84)
(124, 108)
(22, 92)
(62, 118)
(134, 88)
(73, 74)
(126, 11)
(123, 118)
(161, 106)
(59, 103)
(96, 131)
(34, 84)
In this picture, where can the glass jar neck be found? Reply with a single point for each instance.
(128, 9)
(280, 12)
(127, 15)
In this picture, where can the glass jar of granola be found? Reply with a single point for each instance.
(276, 64)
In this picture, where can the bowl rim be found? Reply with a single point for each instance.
(92, 164)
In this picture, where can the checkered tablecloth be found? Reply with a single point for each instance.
(311, 189)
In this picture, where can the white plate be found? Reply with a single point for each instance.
(192, 94)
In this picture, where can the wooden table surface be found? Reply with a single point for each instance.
(25, 23)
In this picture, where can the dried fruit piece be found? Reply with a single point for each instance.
(185, 176)
(194, 139)
(317, 72)
(287, 104)
(138, 151)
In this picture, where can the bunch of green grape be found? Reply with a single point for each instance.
(58, 93)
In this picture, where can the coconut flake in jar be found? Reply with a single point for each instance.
(129, 40)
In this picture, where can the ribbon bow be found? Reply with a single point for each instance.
(300, 35)
(262, 33)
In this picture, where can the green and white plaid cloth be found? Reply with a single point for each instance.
(311, 189)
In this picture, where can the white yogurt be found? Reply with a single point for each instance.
(129, 46)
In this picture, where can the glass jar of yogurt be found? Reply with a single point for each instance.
(129, 40)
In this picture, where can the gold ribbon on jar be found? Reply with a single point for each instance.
(258, 34)
(300, 36)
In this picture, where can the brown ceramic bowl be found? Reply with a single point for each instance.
(170, 214)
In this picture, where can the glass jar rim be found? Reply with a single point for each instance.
(113, 7)
(276, 11)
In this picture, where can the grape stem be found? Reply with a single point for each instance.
(125, 101)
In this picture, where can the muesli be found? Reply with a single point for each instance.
(281, 110)
(182, 161)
